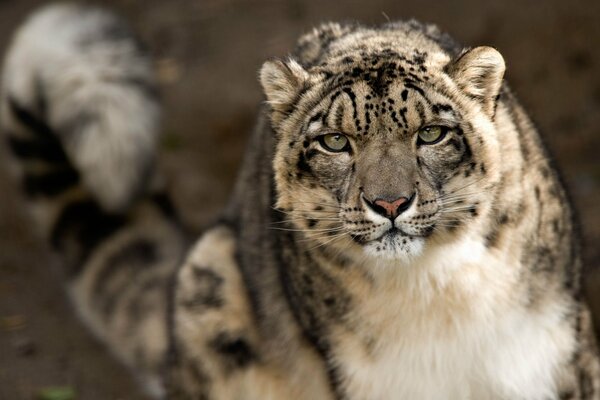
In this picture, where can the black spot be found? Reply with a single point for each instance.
(235, 350)
(410, 85)
(403, 112)
(302, 166)
(404, 94)
(491, 238)
(311, 153)
(455, 143)
(50, 183)
(164, 204)
(34, 124)
(44, 150)
(81, 226)
(206, 290)
(437, 108)
(318, 116)
(311, 223)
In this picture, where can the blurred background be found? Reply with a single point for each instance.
(207, 55)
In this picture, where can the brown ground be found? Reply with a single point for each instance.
(208, 53)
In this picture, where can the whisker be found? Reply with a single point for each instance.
(303, 212)
(461, 195)
(467, 185)
(462, 208)
(447, 225)
(311, 236)
(307, 230)
(336, 237)
(287, 221)
(319, 203)
(449, 222)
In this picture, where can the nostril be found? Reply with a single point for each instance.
(378, 208)
(405, 205)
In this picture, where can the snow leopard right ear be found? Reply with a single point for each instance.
(282, 82)
(478, 72)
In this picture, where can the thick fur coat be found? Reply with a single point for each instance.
(397, 230)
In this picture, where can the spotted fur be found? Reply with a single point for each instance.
(389, 268)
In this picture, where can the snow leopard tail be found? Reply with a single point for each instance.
(80, 112)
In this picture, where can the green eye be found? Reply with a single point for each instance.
(432, 134)
(335, 142)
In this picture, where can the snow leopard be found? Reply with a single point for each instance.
(397, 230)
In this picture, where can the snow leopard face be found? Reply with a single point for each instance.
(386, 140)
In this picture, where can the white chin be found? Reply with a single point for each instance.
(395, 247)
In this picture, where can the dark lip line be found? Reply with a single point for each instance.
(391, 231)
(395, 230)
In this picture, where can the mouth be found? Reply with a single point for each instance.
(394, 244)
(391, 233)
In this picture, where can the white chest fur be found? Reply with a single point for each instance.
(452, 326)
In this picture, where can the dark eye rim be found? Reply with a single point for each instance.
(445, 130)
(346, 149)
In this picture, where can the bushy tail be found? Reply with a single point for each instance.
(79, 110)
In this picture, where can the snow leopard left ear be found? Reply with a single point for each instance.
(282, 82)
(478, 73)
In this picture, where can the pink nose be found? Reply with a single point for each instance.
(394, 208)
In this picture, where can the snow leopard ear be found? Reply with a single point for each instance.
(282, 82)
(478, 73)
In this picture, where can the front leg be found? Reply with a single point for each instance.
(217, 351)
